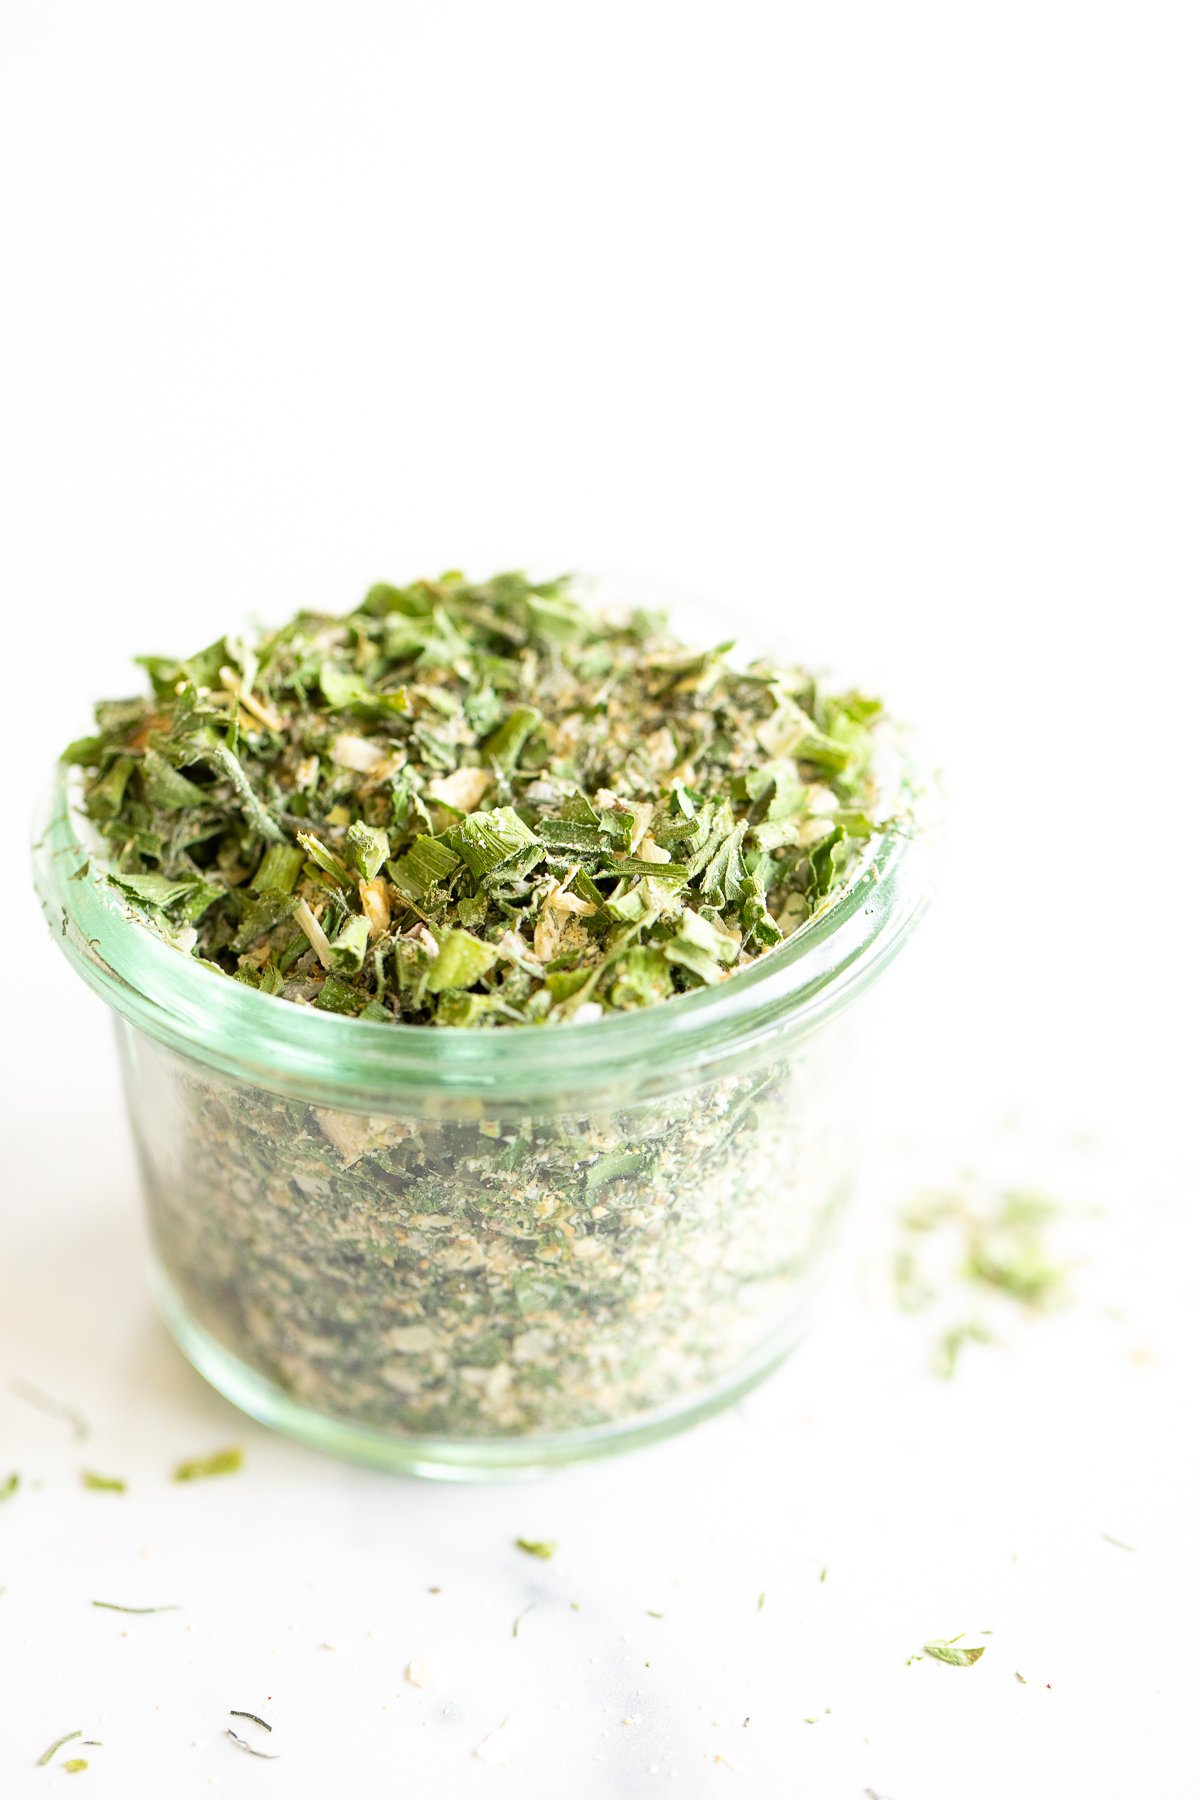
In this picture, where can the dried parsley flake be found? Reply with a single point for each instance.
(949, 1650)
(537, 1547)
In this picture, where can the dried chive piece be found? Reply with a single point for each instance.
(223, 1462)
(102, 1484)
(236, 1713)
(243, 1744)
(49, 1754)
(54, 1409)
(113, 1606)
(483, 763)
(537, 1547)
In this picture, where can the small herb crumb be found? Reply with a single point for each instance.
(762, 1601)
(102, 1484)
(1118, 1543)
(9, 1486)
(224, 1462)
(537, 1547)
(75, 1765)
(1020, 1678)
(235, 1713)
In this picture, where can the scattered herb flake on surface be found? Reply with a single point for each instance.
(949, 1650)
(54, 1409)
(113, 1606)
(244, 1744)
(49, 1754)
(537, 1547)
(9, 1485)
(236, 1713)
(990, 1239)
(75, 1765)
(224, 1462)
(102, 1484)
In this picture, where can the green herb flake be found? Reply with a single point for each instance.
(461, 961)
(949, 1650)
(224, 1462)
(9, 1486)
(235, 1713)
(102, 1484)
(537, 1547)
(75, 1765)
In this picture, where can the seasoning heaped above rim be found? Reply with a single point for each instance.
(478, 804)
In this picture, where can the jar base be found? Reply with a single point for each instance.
(447, 1459)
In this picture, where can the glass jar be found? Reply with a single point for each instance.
(469, 1253)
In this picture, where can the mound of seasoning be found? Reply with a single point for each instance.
(477, 804)
(484, 805)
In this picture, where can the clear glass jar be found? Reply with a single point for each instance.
(466, 1253)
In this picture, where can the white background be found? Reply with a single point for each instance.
(877, 320)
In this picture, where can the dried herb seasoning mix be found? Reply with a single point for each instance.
(477, 805)
(485, 806)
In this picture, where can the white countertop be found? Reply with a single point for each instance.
(868, 1503)
(878, 320)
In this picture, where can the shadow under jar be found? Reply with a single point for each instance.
(468, 1253)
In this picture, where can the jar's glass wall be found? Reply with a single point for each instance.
(447, 1272)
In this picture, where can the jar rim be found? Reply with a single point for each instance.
(324, 1057)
